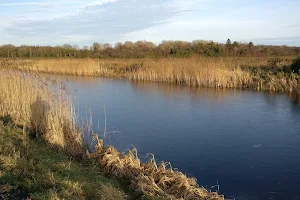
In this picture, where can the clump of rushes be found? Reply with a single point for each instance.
(42, 106)
(149, 178)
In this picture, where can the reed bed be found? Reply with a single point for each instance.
(41, 106)
(217, 73)
(78, 67)
(44, 108)
(254, 72)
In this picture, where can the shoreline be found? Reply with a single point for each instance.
(237, 73)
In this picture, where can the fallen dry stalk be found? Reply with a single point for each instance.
(150, 178)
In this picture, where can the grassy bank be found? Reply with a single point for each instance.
(31, 168)
(46, 156)
(259, 73)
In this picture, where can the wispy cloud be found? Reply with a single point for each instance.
(99, 3)
(291, 41)
(60, 21)
(102, 21)
(292, 26)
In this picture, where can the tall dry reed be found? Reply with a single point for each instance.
(194, 72)
(255, 72)
(78, 67)
(42, 106)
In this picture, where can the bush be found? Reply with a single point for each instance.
(295, 67)
(274, 62)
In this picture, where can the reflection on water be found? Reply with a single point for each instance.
(295, 98)
(191, 93)
(247, 141)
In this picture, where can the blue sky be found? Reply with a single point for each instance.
(55, 22)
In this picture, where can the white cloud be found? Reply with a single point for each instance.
(61, 21)
(99, 3)
(103, 21)
(238, 20)
(216, 29)
(79, 38)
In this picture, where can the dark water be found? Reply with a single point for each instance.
(247, 142)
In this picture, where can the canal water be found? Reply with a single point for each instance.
(245, 142)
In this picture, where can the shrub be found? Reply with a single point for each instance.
(295, 67)
(274, 62)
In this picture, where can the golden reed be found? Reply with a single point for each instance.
(41, 106)
(228, 72)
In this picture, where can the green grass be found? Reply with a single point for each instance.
(31, 168)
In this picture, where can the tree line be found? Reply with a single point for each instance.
(145, 49)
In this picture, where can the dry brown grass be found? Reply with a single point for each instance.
(149, 178)
(224, 73)
(42, 106)
(254, 73)
(79, 67)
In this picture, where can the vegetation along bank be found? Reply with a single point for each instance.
(276, 74)
(196, 63)
(43, 155)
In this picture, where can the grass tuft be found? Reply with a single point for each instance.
(149, 178)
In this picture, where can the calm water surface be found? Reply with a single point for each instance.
(247, 142)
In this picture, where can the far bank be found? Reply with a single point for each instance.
(276, 74)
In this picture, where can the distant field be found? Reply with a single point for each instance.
(259, 73)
